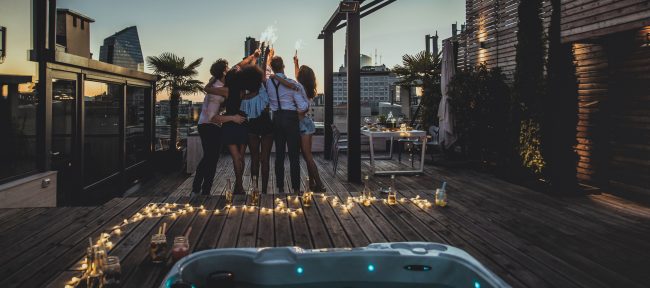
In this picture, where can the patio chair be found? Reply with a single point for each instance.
(433, 140)
(338, 145)
(416, 143)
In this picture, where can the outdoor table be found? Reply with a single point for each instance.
(396, 134)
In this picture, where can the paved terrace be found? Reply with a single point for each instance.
(527, 238)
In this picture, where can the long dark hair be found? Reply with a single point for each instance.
(247, 78)
(307, 78)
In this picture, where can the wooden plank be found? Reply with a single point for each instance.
(301, 233)
(75, 254)
(148, 274)
(248, 229)
(317, 229)
(282, 223)
(230, 231)
(31, 247)
(265, 228)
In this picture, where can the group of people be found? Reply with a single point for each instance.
(254, 105)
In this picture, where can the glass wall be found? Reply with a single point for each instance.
(18, 97)
(136, 138)
(102, 113)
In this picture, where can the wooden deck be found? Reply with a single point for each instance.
(527, 238)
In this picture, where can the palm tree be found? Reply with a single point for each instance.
(422, 70)
(177, 79)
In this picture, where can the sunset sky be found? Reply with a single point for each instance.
(217, 29)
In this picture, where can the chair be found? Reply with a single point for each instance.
(434, 140)
(434, 133)
(338, 145)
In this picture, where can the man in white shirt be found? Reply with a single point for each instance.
(285, 104)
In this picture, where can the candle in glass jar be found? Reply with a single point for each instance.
(158, 248)
(306, 199)
(181, 248)
(112, 272)
(94, 277)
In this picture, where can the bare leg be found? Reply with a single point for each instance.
(238, 165)
(254, 147)
(267, 145)
(312, 169)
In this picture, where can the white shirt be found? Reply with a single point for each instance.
(289, 99)
(211, 105)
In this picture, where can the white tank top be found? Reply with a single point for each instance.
(211, 105)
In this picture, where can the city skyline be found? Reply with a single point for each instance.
(187, 33)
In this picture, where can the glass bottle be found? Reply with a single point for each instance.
(392, 192)
(100, 257)
(94, 277)
(255, 193)
(112, 272)
(441, 196)
(366, 194)
(307, 195)
(158, 248)
(228, 193)
(90, 257)
(181, 248)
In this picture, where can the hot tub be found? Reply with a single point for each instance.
(407, 264)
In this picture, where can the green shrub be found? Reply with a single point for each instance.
(481, 101)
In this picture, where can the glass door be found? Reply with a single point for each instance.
(64, 97)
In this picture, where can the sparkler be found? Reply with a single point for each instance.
(298, 45)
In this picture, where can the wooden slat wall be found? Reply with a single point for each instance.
(591, 68)
(629, 113)
(584, 19)
(493, 22)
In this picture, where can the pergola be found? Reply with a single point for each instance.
(351, 12)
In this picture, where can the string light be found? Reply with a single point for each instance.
(174, 210)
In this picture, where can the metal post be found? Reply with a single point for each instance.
(354, 97)
(329, 92)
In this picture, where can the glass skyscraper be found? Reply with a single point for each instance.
(123, 49)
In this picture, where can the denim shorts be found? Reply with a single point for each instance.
(307, 126)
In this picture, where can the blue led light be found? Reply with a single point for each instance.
(300, 270)
(477, 285)
(371, 267)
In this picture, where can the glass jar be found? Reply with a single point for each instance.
(366, 194)
(158, 248)
(441, 197)
(181, 248)
(255, 193)
(112, 272)
(228, 193)
(100, 258)
(307, 195)
(392, 192)
(94, 279)
(307, 199)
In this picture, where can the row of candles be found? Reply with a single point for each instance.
(100, 270)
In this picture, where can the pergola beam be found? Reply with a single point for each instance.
(365, 13)
(328, 79)
(353, 41)
(353, 50)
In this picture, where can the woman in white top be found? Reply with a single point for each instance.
(209, 128)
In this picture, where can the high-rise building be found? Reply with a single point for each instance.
(250, 45)
(377, 85)
(73, 32)
(123, 49)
